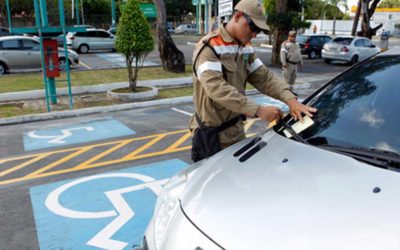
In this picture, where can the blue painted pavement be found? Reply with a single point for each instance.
(73, 134)
(107, 211)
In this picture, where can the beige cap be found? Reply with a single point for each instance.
(254, 10)
(292, 33)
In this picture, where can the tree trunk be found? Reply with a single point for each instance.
(132, 73)
(334, 26)
(367, 12)
(356, 18)
(280, 33)
(172, 58)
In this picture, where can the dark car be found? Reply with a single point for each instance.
(311, 45)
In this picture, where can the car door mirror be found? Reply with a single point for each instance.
(372, 46)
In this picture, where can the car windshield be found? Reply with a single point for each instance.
(359, 109)
(301, 39)
(343, 40)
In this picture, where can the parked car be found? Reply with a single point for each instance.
(349, 49)
(113, 31)
(329, 183)
(91, 39)
(186, 29)
(311, 45)
(22, 52)
(171, 29)
(4, 31)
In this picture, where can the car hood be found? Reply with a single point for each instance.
(294, 196)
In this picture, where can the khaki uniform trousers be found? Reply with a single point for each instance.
(290, 74)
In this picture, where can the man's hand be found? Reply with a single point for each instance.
(269, 113)
(297, 109)
(284, 65)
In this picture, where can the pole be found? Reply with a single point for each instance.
(113, 16)
(78, 21)
(206, 16)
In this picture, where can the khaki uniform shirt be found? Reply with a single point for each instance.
(290, 52)
(217, 98)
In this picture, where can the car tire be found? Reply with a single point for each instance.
(83, 49)
(62, 63)
(354, 60)
(3, 68)
(312, 55)
(328, 60)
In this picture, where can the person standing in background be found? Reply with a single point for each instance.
(290, 56)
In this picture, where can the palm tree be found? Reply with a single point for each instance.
(335, 4)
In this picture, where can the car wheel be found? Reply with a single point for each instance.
(312, 55)
(62, 64)
(354, 59)
(328, 60)
(83, 49)
(3, 68)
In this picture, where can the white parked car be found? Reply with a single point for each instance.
(332, 182)
(186, 29)
(91, 39)
(349, 49)
(22, 52)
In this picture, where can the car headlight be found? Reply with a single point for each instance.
(168, 201)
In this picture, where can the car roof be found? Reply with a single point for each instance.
(4, 38)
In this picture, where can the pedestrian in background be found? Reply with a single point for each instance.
(223, 62)
(290, 58)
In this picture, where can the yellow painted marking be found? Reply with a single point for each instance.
(85, 65)
(101, 155)
(179, 142)
(22, 165)
(144, 147)
(60, 161)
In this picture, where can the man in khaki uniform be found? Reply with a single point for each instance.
(223, 62)
(290, 57)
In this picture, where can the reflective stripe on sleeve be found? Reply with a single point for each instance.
(255, 65)
(284, 50)
(214, 66)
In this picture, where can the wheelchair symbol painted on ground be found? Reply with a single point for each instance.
(122, 213)
(106, 211)
(62, 135)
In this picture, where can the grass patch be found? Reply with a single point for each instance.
(32, 81)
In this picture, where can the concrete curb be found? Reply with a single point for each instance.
(101, 109)
(37, 94)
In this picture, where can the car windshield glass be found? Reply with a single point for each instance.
(360, 108)
(343, 40)
(301, 39)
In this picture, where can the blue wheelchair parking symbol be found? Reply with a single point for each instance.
(107, 211)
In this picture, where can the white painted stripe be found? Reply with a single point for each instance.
(255, 65)
(182, 111)
(214, 66)
(284, 50)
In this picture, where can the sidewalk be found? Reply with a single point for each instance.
(304, 83)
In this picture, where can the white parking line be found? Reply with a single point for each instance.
(85, 65)
(182, 111)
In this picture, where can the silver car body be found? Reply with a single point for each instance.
(23, 52)
(349, 49)
(91, 39)
(289, 195)
(186, 29)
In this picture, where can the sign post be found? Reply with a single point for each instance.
(225, 7)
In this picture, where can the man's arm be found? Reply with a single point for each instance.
(283, 54)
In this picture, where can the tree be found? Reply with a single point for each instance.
(283, 16)
(334, 4)
(134, 39)
(172, 58)
(366, 9)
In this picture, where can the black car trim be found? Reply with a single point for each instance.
(253, 151)
(247, 146)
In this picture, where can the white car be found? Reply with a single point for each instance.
(332, 182)
(349, 49)
(22, 52)
(186, 29)
(91, 39)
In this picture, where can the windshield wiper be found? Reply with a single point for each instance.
(378, 157)
(291, 131)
